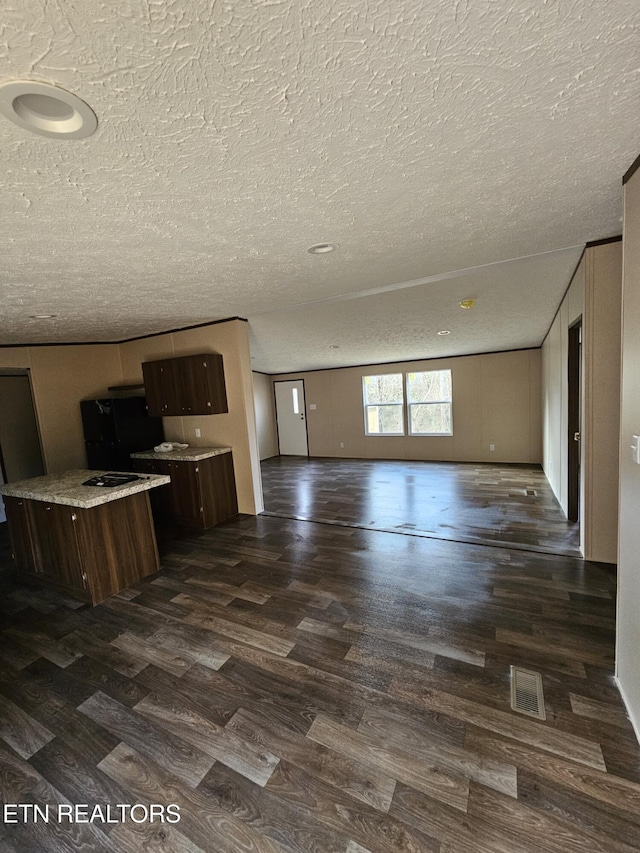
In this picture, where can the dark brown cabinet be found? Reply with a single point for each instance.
(88, 553)
(189, 385)
(55, 544)
(20, 531)
(201, 494)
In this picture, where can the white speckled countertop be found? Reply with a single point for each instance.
(191, 454)
(67, 488)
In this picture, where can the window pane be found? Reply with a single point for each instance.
(383, 389)
(434, 418)
(383, 420)
(296, 406)
(430, 385)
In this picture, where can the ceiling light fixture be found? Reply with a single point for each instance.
(322, 248)
(443, 332)
(334, 346)
(467, 303)
(46, 110)
(42, 316)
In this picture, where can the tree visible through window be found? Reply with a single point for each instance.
(429, 402)
(383, 404)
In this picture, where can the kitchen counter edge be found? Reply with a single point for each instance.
(67, 488)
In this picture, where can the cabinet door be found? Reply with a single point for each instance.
(144, 466)
(55, 544)
(203, 383)
(20, 532)
(218, 489)
(153, 376)
(185, 499)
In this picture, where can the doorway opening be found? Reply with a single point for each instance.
(20, 447)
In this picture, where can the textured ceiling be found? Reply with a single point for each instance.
(515, 305)
(422, 136)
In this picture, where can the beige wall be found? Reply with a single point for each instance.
(594, 295)
(265, 415)
(628, 628)
(61, 376)
(601, 425)
(237, 427)
(496, 400)
(19, 438)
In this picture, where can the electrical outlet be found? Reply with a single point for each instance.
(197, 433)
(342, 444)
(492, 447)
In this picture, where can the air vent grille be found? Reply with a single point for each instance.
(526, 693)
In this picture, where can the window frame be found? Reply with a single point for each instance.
(366, 406)
(449, 403)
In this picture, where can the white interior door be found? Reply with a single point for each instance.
(291, 417)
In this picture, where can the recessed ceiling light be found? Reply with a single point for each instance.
(42, 316)
(443, 332)
(334, 346)
(322, 248)
(467, 303)
(46, 110)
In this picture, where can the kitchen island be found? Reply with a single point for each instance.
(87, 541)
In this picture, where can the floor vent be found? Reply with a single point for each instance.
(532, 493)
(526, 693)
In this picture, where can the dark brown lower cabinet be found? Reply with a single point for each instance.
(201, 494)
(88, 553)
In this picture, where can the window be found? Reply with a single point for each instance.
(383, 404)
(429, 402)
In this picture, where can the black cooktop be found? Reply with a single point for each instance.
(108, 481)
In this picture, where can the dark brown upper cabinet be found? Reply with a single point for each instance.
(189, 385)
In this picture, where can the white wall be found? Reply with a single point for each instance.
(628, 629)
(265, 415)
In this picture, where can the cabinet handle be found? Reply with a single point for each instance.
(84, 580)
(74, 517)
(209, 404)
(48, 508)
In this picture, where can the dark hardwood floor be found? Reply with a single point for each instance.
(508, 505)
(295, 686)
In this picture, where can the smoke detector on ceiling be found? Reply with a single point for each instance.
(46, 110)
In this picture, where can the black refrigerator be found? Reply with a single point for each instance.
(115, 427)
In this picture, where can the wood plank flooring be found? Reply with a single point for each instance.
(313, 688)
(509, 505)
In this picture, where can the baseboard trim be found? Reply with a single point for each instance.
(635, 723)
